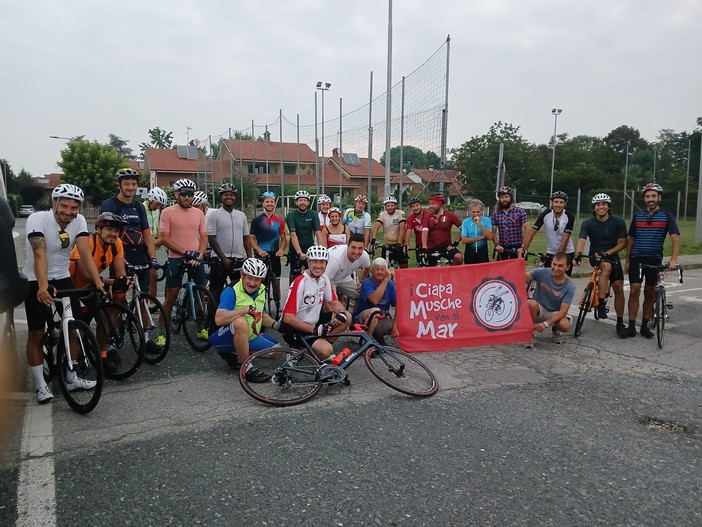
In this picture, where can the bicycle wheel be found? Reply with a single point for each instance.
(198, 317)
(401, 371)
(294, 375)
(120, 330)
(531, 289)
(271, 307)
(83, 394)
(660, 313)
(158, 331)
(584, 308)
(47, 353)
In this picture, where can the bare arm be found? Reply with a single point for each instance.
(86, 256)
(38, 244)
(675, 248)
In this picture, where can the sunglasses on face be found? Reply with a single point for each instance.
(556, 224)
(187, 193)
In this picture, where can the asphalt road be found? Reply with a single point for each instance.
(597, 431)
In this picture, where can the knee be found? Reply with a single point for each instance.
(239, 325)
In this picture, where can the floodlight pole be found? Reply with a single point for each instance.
(556, 112)
(323, 86)
(388, 105)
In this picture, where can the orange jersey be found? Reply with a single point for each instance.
(102, 256)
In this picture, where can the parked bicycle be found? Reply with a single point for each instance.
(71, 351)
(151, 316)
(539, 262)
(661, 306)
(589, 300)
(194, 311)
(431, 258)
(272, 306)
(297, 375)
(388, 251)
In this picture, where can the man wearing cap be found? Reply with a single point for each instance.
(436, 232)
(509, 223)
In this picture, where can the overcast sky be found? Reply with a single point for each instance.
(90, 68)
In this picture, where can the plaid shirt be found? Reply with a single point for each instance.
(509, 226)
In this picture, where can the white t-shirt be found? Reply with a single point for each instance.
(391, 225)
(230, 229)
(339, 268)
(44, 224)
(306, 297)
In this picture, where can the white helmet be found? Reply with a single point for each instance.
(66, 190)
(323, 198)
(389, 199)
(317, 252)
(158, 195)
(335, 209)
(184, 183)
(302, 194)
(200, 198)
(254, 267)
(601, 197)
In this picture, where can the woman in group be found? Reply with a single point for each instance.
(336, 232)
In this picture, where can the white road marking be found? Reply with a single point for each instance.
(36, 489)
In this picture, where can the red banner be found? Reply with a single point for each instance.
(445, 308)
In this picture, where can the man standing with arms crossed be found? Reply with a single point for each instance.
(228, 235)
(392, 221)
(509, 223)
(607, 236)
(646, 236)
(303, 225)
(268, 240)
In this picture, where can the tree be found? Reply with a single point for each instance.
(477, 160)
(120, 145)
(159, 139)
(620, 136)
(91, 166)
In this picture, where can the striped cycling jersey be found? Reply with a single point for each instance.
(649, 232)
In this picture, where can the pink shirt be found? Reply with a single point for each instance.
(186, 227)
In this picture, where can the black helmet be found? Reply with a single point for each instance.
(414, 200)
(110, 219)
(559, 194)
(126, 173)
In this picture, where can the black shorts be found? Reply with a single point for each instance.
(472, 256)
(292, 337)
(218, 274)
(617, 270)
(296, 265)
(274, 263)
(38, 313)
(636, 276)
(393, 252)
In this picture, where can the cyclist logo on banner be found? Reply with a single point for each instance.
(495, 304)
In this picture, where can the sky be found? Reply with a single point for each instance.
(199, 68)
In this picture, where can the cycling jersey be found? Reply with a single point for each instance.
(304, 225)
(103, 257)
(649, 233)
(556, 227)
(306, 297)
(268, 231)
(186, 227)
(59, 243)
(358, 223)
(603, 234)
(334, 239)
(509, 226)
(229, 228)
(439, 228)
(339, 268)
(391, 225)
(134, 214)
(414, 222)
(235, 297)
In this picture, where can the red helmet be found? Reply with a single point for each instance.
(438, 197)
(361, 198)
(652, 186)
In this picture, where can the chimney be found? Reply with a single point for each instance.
(335, 152)
(267, 137)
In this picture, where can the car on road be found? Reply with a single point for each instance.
(25, 211)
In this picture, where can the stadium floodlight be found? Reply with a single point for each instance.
(556, 112)
(323, 86)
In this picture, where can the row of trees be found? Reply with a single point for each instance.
(591, 164)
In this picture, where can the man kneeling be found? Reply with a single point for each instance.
(552, 298)
(240, 317)
(377, 295)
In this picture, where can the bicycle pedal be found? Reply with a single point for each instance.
(669, 305)
(331, 374)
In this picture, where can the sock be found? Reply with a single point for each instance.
(603, 301)
(632, 323)
(644, 323)
(620, 320)
(38, 376)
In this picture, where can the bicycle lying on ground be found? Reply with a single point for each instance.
(661, 307)
(71, 353)
(194, 311)
(297, 375)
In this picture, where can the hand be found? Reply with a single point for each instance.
(521, 252)
(540, 327)
(255, 314)
(339, 319)
(155, 264)
(191, 255)
(577, 259)
(673, 264)
(599, 255)
(391, 272)
(394, 332)
(403, 248)
(279, 253)
(499, 249)
(321, 330)
(227, 264)
(263, 254)
(45, 297)
(303, 257)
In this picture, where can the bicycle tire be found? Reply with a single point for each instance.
(584, 308)
(531, 289)
(294, 376)
(271, 306)
(414, 377)
(81, 401)
(201, 319)
(48, 355)
(125, 338)
(153, 354)
(660, 314)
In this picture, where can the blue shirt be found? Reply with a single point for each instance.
(649, 233)
(388, 299)
(470, 230)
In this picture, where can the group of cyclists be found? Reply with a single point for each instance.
(325, 249)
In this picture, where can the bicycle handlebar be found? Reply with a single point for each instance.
(660, 268)
(73, 293)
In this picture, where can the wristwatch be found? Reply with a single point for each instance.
(546, 324)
